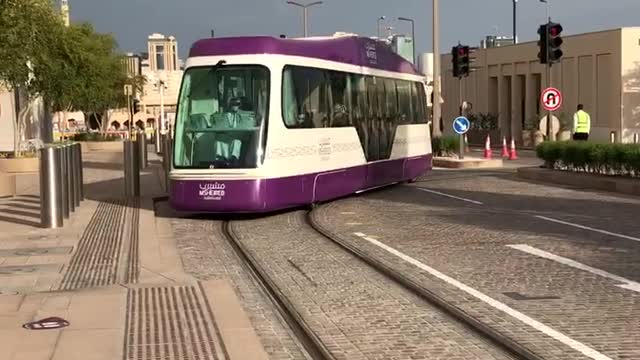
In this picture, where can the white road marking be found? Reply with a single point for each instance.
(588, 228)
(578, 346)
(353, 223)
(626, 283)
(447, 195)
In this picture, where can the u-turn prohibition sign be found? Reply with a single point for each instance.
(551, 99)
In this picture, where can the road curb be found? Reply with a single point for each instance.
(582, 180)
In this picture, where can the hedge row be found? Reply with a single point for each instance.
(95, 136)
(582, 156)
(445, 145)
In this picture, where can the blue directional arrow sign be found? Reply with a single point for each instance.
(461, 125)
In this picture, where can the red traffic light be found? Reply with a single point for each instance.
(555, 29)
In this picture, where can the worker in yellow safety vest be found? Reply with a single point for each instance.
(581, 124)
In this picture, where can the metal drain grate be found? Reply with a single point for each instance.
(170, 323)
(95, 263)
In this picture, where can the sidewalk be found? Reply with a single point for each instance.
(114, 273)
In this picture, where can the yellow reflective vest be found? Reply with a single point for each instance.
(581, 122)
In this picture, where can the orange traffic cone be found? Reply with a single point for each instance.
(466, 144)
(487, 148)
(505, 152)
(513, 155)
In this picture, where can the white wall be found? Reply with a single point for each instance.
(7, 120)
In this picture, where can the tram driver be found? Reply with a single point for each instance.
(228, 145)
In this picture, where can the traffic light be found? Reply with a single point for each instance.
(542, 43)
(462, 60)
(555, 41)
(136, 106)
(467, 60)
(455, 59)
(549, 43)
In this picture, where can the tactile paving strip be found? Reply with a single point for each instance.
(170, 323)
(100, 250)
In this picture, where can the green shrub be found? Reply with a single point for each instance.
(607, 159)
(95, 137)
(445, 145)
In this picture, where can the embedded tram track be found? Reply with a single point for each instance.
(506, 343)
(310, 342)
(305, 336)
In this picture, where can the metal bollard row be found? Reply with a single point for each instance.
(166, 158)
(61, 183)
(131, 168)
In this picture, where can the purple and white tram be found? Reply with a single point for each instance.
(266, 123)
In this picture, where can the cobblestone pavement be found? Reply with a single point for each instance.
(504, 192)
(206, 255)
(357, 312)
(468, 242)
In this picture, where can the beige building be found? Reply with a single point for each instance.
(600, 70)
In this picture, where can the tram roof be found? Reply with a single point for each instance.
(354, 50)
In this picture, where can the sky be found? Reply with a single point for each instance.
(467, 21)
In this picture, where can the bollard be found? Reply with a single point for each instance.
(64, 167)
(166, 158)
(131, 169)
(51, 213)
(142, 145)
(76, 173)
(635, 138)
(80, 172)
(158, 140)
(612, 137)
(69, 174)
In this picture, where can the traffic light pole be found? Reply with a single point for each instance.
(549, 80)
(461, 141)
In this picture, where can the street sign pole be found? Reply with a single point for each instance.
(461, 125)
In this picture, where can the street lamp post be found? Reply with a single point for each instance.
(381, 18)
(413, 36)
(305, 9)
(436, 68)
(515, 33)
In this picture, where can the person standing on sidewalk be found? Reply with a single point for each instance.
(581, 124)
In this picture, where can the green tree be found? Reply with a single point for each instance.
(27, 28)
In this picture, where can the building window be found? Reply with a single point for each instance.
(160, 57)
(174, 57)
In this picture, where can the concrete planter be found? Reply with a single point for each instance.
(537, 137)
(101, 146)
(19, 165)
(7, 185)
(527, 138)
(466, 163)
(563, 135)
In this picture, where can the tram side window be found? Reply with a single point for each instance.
(305, 98)
(406, 99)
(340, 103)
(420, 104)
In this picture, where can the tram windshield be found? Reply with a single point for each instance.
(222, 114)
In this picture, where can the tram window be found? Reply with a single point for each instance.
(406, 97)
(340, 102)
(420, 105)
(221, 116)
(305, 100)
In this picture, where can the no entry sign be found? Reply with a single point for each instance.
(551, 99)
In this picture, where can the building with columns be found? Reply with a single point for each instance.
(600, 70)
